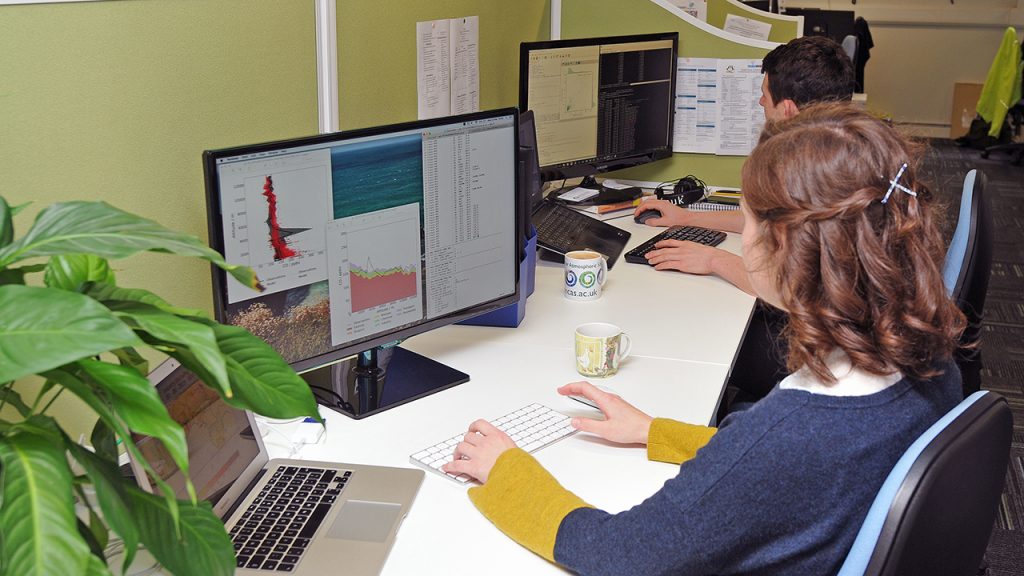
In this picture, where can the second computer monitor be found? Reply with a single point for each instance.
(600, 104)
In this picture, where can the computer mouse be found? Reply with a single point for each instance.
(647, 215)
(588, 401)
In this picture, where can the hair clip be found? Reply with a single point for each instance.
(895, 184)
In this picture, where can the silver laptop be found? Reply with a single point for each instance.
(295, 516)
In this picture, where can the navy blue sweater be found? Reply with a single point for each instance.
(782, 488)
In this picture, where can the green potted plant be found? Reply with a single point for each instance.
(81, 333)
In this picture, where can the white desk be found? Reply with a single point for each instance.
(667, 314)
(686, 331)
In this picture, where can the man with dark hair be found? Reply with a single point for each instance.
(803, 71)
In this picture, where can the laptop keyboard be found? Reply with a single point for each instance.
(691, 233)
(559, 227)
(532, 427)
(276, 529)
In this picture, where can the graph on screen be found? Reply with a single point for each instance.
(282, 220)
(374, 271)
(371, 286)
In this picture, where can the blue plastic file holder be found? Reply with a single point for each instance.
(510, 316)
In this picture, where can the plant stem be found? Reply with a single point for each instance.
(55, 396)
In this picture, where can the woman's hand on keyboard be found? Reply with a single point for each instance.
(623, 422)
(479, 450)
(689, 257)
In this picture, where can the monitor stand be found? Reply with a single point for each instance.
(378, 379)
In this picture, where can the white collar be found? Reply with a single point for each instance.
(850, 381)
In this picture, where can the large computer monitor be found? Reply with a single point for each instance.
(364, 238)
(599, 104)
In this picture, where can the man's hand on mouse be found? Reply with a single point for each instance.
(623, 423)
(671, 215)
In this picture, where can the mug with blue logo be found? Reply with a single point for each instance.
(585, 272)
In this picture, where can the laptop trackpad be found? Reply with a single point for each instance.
(365, 521)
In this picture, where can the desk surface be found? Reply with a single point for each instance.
(683, 349)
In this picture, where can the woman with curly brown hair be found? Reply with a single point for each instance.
(841, 235)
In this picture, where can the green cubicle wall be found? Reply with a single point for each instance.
(377, 53)
(581, 18)
(783, 29)
(116, 101)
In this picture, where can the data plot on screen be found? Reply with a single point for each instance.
(374, 271)
(291, 225)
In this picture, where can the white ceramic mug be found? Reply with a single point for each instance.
(585, 272)
(600, 347)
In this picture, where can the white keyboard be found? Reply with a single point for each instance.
(532, 427)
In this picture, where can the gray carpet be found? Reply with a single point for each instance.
(1002, 341)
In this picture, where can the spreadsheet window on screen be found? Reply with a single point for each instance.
(601, 100)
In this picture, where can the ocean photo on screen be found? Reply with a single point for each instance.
(378, 174)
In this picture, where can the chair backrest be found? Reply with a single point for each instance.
(969, 258)
(967, 269)
(850, 47)
(933, 514)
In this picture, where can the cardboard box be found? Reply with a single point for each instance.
(965, 100)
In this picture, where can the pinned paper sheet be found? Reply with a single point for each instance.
(717, 108)
(696, 8)
(447, 67)
(747, 27)
(433, 69)
(740, 115)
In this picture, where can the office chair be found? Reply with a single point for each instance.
(934, 513)
(966, 272)
(1015, 149)
(850, 47)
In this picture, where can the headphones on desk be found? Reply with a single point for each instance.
(682, 192)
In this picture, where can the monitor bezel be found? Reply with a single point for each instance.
(593, 166)
(340, 353)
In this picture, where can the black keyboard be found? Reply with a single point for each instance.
(275, 530)
(560, 227)
(691, 233)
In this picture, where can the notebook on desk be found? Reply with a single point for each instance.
(295, 516)
(561, 229)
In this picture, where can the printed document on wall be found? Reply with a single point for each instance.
(465, 64)
(740, 116)
(695, 128)
(433, 69)
(747, 27)
(696, 8)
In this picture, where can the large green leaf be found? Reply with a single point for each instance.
(79, 388)
(99, 228)
(37, 519)
(69, 271)
(168, 328)
(136, 402)
(260, 379)
(42, 328)
(110, 494)
(203, 546)
(108, 294)
(6, 225)
(97, 567)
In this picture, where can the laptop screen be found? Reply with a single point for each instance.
(222, 445)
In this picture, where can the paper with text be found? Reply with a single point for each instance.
(740, 116)
(433, 69)
(696, 106)
(747, 27)
(465, 65)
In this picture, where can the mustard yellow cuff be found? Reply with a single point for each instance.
(676, 442)
(525, 502)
